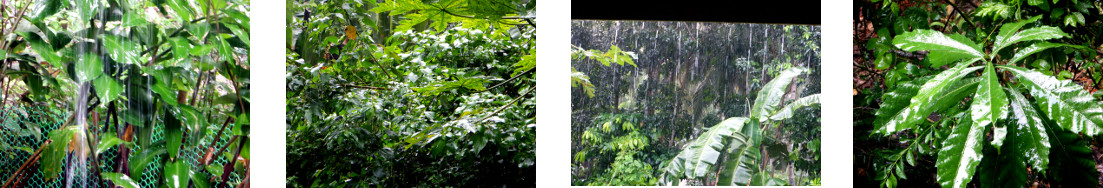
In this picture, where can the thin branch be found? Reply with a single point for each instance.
(366, 87)
(492, 114)
(33, 158)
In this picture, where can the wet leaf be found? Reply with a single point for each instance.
(990, 104)
(121, 180)
(1063, 101)
(960, 154)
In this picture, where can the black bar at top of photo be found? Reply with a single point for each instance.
(770, 11)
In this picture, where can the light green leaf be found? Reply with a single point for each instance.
(89, 68)
(770, 95)
(108, 141)
(1074, 19)
(955, 45)
(990, 104)
(787, 111)
(107, 89)
(921, 105)
(1029, 134)
(960, 154)
(994, 9)
(121, 180)
(56, 151)
(122, 50)
(1065, 102)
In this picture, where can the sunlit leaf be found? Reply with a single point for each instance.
(990, 104)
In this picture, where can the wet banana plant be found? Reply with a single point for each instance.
(158, 90)
(734, 147)
(994, 111)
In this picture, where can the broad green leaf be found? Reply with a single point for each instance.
(1063, 101)
(770, 95)
(121, 180)
(122, 50)
(47, 8)
(1034, 48)
(177, 174)
(1009, 29)
(89, 68)
(960, 154)
(1037, 33)
(55, 152)
(953, 45)
(738, 165)
(787, 111)
(897, 99)
(704, 151)
(44, 49)
(225, 50)
(528, 62)
(86, 8)
(1029, 132)
(107, 89)
(182, 9)
(1002, 169)
(921, 105)
(143, 158)
(108, 141)
(990, 104)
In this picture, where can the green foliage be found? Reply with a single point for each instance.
(1020, 138)
(103, 60)
(444, 96)
(607, 58)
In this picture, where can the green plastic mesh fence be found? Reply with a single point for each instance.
(24, 129)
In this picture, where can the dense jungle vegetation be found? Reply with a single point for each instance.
(691, 103)
(411, 93)
(124, 93)
(995, 93)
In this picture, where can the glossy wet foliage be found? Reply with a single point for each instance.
(989, 98)
(686, 103)
(156, 92)
(411, 93)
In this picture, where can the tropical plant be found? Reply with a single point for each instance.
(411, 93)
(168, 77)
(1021, 128)
(734, 147)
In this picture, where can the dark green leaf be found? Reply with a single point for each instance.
(990, 104)
(1063, 101)
(121, 180)
(960, 154)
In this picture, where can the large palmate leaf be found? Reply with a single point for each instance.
(696, 158)
(990, 104)
(921, 106)
(787, 111)
(1063, 101)
(960, 154)
(1028, 132)
(770, 94)
(738, 166)
(943, 49)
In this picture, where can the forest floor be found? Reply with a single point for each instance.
(867, 77)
